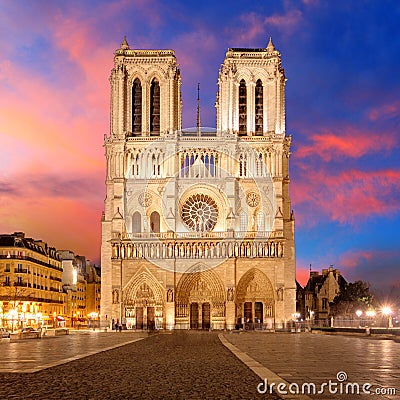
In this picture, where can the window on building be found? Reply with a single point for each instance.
(155, 108)
(242, 108)
(136, 222)
(243, 222)
(136, 106)
(155, 222)
(324, 303)
(259, 125)
(260, 221)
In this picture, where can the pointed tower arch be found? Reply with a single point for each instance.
(200, 299)
(143, 298)
(255, 297)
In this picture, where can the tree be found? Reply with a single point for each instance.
(352, 297)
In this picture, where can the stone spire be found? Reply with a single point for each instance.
(270, 46)
(124, 44)
(198, 109)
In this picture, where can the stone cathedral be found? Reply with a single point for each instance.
(197, 228)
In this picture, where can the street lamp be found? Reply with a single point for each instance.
(13, 314)
(359, 313)
(93, 317)
(387, 311)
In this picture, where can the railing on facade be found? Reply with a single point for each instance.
(349, 323)
(205, 133)
(199, 235)
(21, 270)
(178, 249)
(31, 299)
(21, 284)
(26, 258)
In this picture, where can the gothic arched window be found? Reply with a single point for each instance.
(242, 108)
(155, 222)
(136, 222)
(259, 117)
(155, 107)
(260, 221)
(136, 107)
(153, 165)
(243, 222)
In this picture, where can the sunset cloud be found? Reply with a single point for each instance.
(348, 142)
(254, 26)
(385, 111)
(342, 108)
(347, 196)
(372, 265)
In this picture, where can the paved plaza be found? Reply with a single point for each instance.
(316, 358)
(190, 365)
(180, 365)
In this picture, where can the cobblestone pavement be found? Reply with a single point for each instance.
(316, 358)
(179, 365)
(32, 355)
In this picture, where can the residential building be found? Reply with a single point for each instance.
(31, 282)
(320, 291)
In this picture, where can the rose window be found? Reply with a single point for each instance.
(200, 213)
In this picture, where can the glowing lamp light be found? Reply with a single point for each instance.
(359, 313)
(370, 313)
(386, 310)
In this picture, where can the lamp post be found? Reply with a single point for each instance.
(296, 317)
(93, 316)
(387, 311)
(359, 313)
(13, 314)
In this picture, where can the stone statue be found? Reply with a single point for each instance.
(170, 296)
(115, 296)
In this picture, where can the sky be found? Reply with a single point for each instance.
(342, 61)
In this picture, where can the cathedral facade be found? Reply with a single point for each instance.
(197, 229)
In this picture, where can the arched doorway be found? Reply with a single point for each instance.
(144, 302)
(255, 299)
(200, 301)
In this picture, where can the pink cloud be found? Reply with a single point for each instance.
(63, 223)
(349, 142)
(253, 26)
(385, 111)
(302, 275)
(346, 196)
(287, 22)
(353, 259)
